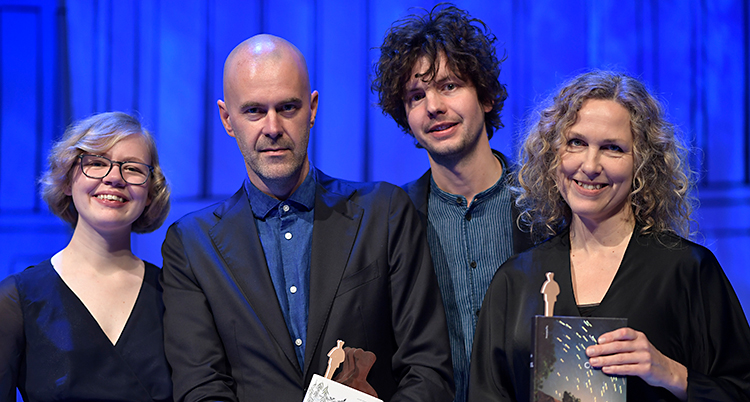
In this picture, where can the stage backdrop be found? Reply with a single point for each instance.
(162, 60)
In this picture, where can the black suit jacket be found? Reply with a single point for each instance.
(372, 285)
(419, 192)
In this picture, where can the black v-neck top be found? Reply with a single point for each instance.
(52, 348)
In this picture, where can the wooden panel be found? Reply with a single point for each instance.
(233, 25)
(674, 80)
(723, 42)
(147, 61)
(83, 54)
(21, 87)
(28, 239)
(122, 56)
(182, 102)
(495, 15)
(340, 133)
(614, 36)
(724, 227)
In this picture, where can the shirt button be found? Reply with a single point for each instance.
(458, 200)
(477, 312)
(468, 217)
(298, 342)
(293, 289)
(473, 264)
(285, 208)
(288, 236)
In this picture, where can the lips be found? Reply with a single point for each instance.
(591, 186)
(110, 197)
(441, 127)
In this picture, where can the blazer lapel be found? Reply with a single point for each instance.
(336, 225)
(236, 239)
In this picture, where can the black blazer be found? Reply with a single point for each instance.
(372, 285)
(419, 192)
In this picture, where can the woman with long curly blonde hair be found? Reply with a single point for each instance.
(662, 180)
(605, 179)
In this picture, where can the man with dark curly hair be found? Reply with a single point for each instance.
(437, 76)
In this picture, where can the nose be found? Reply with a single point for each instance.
(272, 127)
(114, 177)
(591, 165)
(434, 103)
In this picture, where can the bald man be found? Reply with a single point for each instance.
(259, 287)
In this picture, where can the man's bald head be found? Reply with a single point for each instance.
(261, 49)
(269, 109)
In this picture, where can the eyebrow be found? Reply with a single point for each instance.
(442, 78)
(250, 104)
(576, 134)
(126, 159)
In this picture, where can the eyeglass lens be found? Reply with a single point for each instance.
(97, 167)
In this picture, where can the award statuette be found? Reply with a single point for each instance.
(560, 369)
(350, 384)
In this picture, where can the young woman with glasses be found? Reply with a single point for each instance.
(86, 324)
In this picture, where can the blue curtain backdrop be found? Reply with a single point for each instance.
(162, 59)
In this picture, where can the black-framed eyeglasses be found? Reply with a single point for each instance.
(98, 167)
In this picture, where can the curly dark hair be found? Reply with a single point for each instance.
(661, 194)
(468, 47)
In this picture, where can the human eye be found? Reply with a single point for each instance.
(613, 148)
(289, 108)
(414, 97)
(575, 142)
(450, 86)
(135, 168)
(94, 161)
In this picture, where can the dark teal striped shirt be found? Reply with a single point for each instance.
(468, 244)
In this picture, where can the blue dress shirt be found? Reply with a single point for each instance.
(285, 231)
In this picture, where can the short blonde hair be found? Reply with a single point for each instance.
(97, 134)
(661, 192)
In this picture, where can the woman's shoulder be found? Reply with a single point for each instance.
(33, 274)
(151, 268)
(673, 246)
(545, 256)
(551, 248)
(151, 276)
(32, 282)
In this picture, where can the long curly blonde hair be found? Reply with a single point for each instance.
(661, 192)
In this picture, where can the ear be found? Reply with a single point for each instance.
(225, 120)
(487, 107)
(313, 107)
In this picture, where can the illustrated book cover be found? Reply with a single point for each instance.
(560, 370)
(322, 389)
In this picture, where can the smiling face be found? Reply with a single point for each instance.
(444, 114)
(269, 110)
(109, 203)
(595, 174)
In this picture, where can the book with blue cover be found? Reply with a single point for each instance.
(560, 370)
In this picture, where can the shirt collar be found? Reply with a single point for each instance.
(303, 198)
(453, 198)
